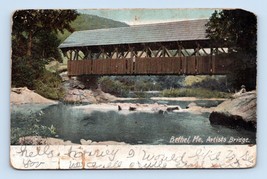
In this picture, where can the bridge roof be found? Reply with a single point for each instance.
(190, 30)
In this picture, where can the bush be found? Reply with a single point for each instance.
(114, 87)
(212, 84)
(25, 70)
(194, 92)
(48, 85)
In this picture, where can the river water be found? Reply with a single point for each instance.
(133, 127)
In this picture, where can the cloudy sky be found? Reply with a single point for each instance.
(146, 16)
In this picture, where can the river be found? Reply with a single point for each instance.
(133, 128)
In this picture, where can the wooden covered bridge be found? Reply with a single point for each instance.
(174, 48)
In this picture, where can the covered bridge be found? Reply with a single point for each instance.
(173, 48)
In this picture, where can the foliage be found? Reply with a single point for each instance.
(28, 23)
(191, 80)
(46, 46)
(144, 85)
(244, 72)
(48, 85)
(121, 85)
(29, 72)
(194, 92)
(139, 94)
(114, 87)
(206, 87)
(212, 83)
(151, 82)
(29, 125)
(237, 30)
(167, 81)
(34, 44)
(25, 70)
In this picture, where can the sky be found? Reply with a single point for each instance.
(147, 16)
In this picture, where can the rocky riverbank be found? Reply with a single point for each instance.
(128, 108)
(26, 96)
(38, 140)
(240, 111)
(87, 96)
(83, 90)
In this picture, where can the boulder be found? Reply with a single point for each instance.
(170, 109)
(240, 111)
(26, 96)
(132, 108)
(161, 111)
(79, 96)
(87, 96)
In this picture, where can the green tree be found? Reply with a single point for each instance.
(46, 46)
(34, 44)
(28, 23)
(25, 70)
(237, 30)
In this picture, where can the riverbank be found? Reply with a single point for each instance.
(87, 96)
(101, 101)
(38, 140)
(26, 96)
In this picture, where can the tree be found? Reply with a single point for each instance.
(237, 30)
(28, 23)
(34, 43)
(46, 46)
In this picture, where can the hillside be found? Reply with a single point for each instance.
(90, 22)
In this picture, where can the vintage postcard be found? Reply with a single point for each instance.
(133, 89)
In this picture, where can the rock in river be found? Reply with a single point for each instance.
(240, 111)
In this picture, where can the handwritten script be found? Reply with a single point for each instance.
(132, 156)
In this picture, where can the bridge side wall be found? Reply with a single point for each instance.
(189, 65)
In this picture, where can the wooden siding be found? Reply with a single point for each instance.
(191, 65)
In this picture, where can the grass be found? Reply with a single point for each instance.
(194, 92)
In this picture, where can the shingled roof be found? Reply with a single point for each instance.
(161, 32)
